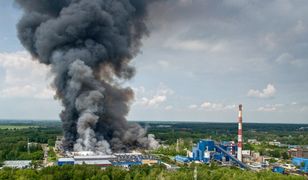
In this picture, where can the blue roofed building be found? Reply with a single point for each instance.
(302, 163)
(66, 161)
(278, 169)
(182, 159)
(201, 151)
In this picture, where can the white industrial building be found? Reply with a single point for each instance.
(17, 164)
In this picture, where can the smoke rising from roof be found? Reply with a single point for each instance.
(89, 45)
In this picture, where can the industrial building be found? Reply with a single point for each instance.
(208, 150)
(101, 163)
(66, 161)
(17, 164)
(302, 163)
(182, 159)
(119, 159)
(278, 169)
(93, 158)
(298, 151)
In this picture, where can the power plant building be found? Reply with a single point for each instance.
(201, 151)
(226, 151)
(208, 150)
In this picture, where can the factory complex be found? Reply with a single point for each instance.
(208, 150)
(117, 159)
(226, 152)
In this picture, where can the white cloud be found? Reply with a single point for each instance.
(232, 106)
(46, 93)
(267, 109)
(154, 101)
(193, 106)
(24, 77)
(210, 106)
(18, 91)
(194, 45)
(139, 90)
(164, 90)
(288, 107)
(206, 105)
(268, 92)
(152, 98)
(289, 59)
(271, 107)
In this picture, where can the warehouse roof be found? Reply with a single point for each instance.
(66, 159)
(17, 164)
(94, 162)
(94, 157)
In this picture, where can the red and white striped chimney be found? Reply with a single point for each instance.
(240, 134)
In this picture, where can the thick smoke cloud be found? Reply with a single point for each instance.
(89, 44)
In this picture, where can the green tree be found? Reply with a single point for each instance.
(105, 177)
(272, 160)
(137, 176)
(35, 164)
(275, 153)
(285, 155)
(128, 177)
(302, 164)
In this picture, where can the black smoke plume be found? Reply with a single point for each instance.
(89, 44)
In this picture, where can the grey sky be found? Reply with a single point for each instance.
(201, 60)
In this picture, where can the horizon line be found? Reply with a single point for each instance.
(164, 121)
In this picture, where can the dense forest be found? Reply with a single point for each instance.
(14, 141)
(139, 173)
(169, 132)
(190, 133)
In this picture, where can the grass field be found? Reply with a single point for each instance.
(15, 126)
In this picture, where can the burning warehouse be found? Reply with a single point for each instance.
(119, 159)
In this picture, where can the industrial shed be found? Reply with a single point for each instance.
(65, 161)
(102, 163)
(17, 164)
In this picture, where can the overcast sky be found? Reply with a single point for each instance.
(202, 58)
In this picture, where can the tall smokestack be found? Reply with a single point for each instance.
(240, 133)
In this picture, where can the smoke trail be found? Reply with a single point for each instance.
(89, 44)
